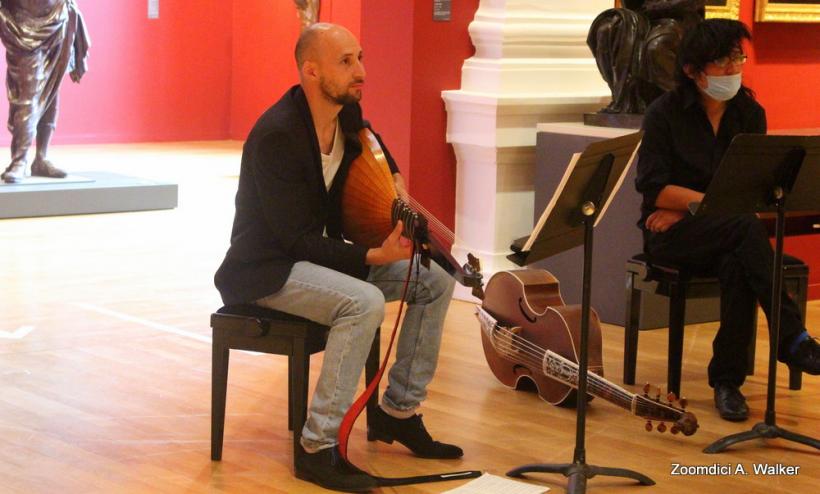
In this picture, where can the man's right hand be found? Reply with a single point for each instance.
(394, 248)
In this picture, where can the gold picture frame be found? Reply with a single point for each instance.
(788, 11)
(724, 9)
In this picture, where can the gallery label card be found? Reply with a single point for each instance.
(441, 10)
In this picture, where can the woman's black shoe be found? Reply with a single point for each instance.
(411, 433)
(328, 469)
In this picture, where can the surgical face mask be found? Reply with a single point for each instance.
(723, 87)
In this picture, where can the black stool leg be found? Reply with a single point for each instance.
(291, 417)
(631, 321)
(219, 389)
(795, 374)
(298, 377)
(677, 312)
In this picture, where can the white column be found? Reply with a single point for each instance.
(531, 65)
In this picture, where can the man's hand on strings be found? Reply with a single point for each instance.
(394, 248)
(663, 219)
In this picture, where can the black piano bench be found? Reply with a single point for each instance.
(670, 281)
(257, 329)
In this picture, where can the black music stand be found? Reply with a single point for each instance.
(762, 173)
(585, 191)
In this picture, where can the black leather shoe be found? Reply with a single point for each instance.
(328, 469)
(807, 357)
(411, 433)
(730, 402)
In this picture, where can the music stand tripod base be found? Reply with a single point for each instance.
(578, 473)
(761, 430)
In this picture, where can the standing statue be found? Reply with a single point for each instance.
(636, 46)
(44, 39)
(308, 11)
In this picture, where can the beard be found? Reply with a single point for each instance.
(339, 95)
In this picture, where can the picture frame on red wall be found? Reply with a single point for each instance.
(724, 9)
(787, 11)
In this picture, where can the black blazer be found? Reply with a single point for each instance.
(282, 205)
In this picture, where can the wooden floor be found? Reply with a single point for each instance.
(105, 369)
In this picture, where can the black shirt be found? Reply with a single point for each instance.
(679, 146)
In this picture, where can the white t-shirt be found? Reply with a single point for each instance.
(331, 162)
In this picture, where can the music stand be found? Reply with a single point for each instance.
(762, 173)
(582, 197)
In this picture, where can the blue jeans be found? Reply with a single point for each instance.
(354, 309)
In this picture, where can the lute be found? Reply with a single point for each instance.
(371, 208)
(510, 345)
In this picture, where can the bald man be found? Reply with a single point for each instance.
(287, 253)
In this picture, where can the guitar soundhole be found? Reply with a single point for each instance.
(523, 312)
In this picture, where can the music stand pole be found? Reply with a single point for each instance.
(769, 429)
(578, 471)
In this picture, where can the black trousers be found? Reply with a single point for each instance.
(736, 249)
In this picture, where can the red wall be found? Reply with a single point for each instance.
(784, 69)
(387, 44)
(410, 59)
(206, 72)
(262, 67)
(148, 80)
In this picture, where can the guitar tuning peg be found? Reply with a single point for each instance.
(646, 389)
(683, 402)
(658, 394)
(661, 427)
(648, 426)
(671, 397)
(675, 429)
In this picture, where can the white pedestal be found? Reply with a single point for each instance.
(531, 65)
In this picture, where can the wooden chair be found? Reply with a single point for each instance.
(257, 329)
(670, 281)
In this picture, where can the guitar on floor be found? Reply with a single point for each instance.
(511, 357)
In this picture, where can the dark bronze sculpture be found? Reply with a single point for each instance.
(635, 48)
(44, 39)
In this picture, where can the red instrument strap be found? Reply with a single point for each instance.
(356, 408)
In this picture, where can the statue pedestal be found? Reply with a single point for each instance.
(85, 193)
